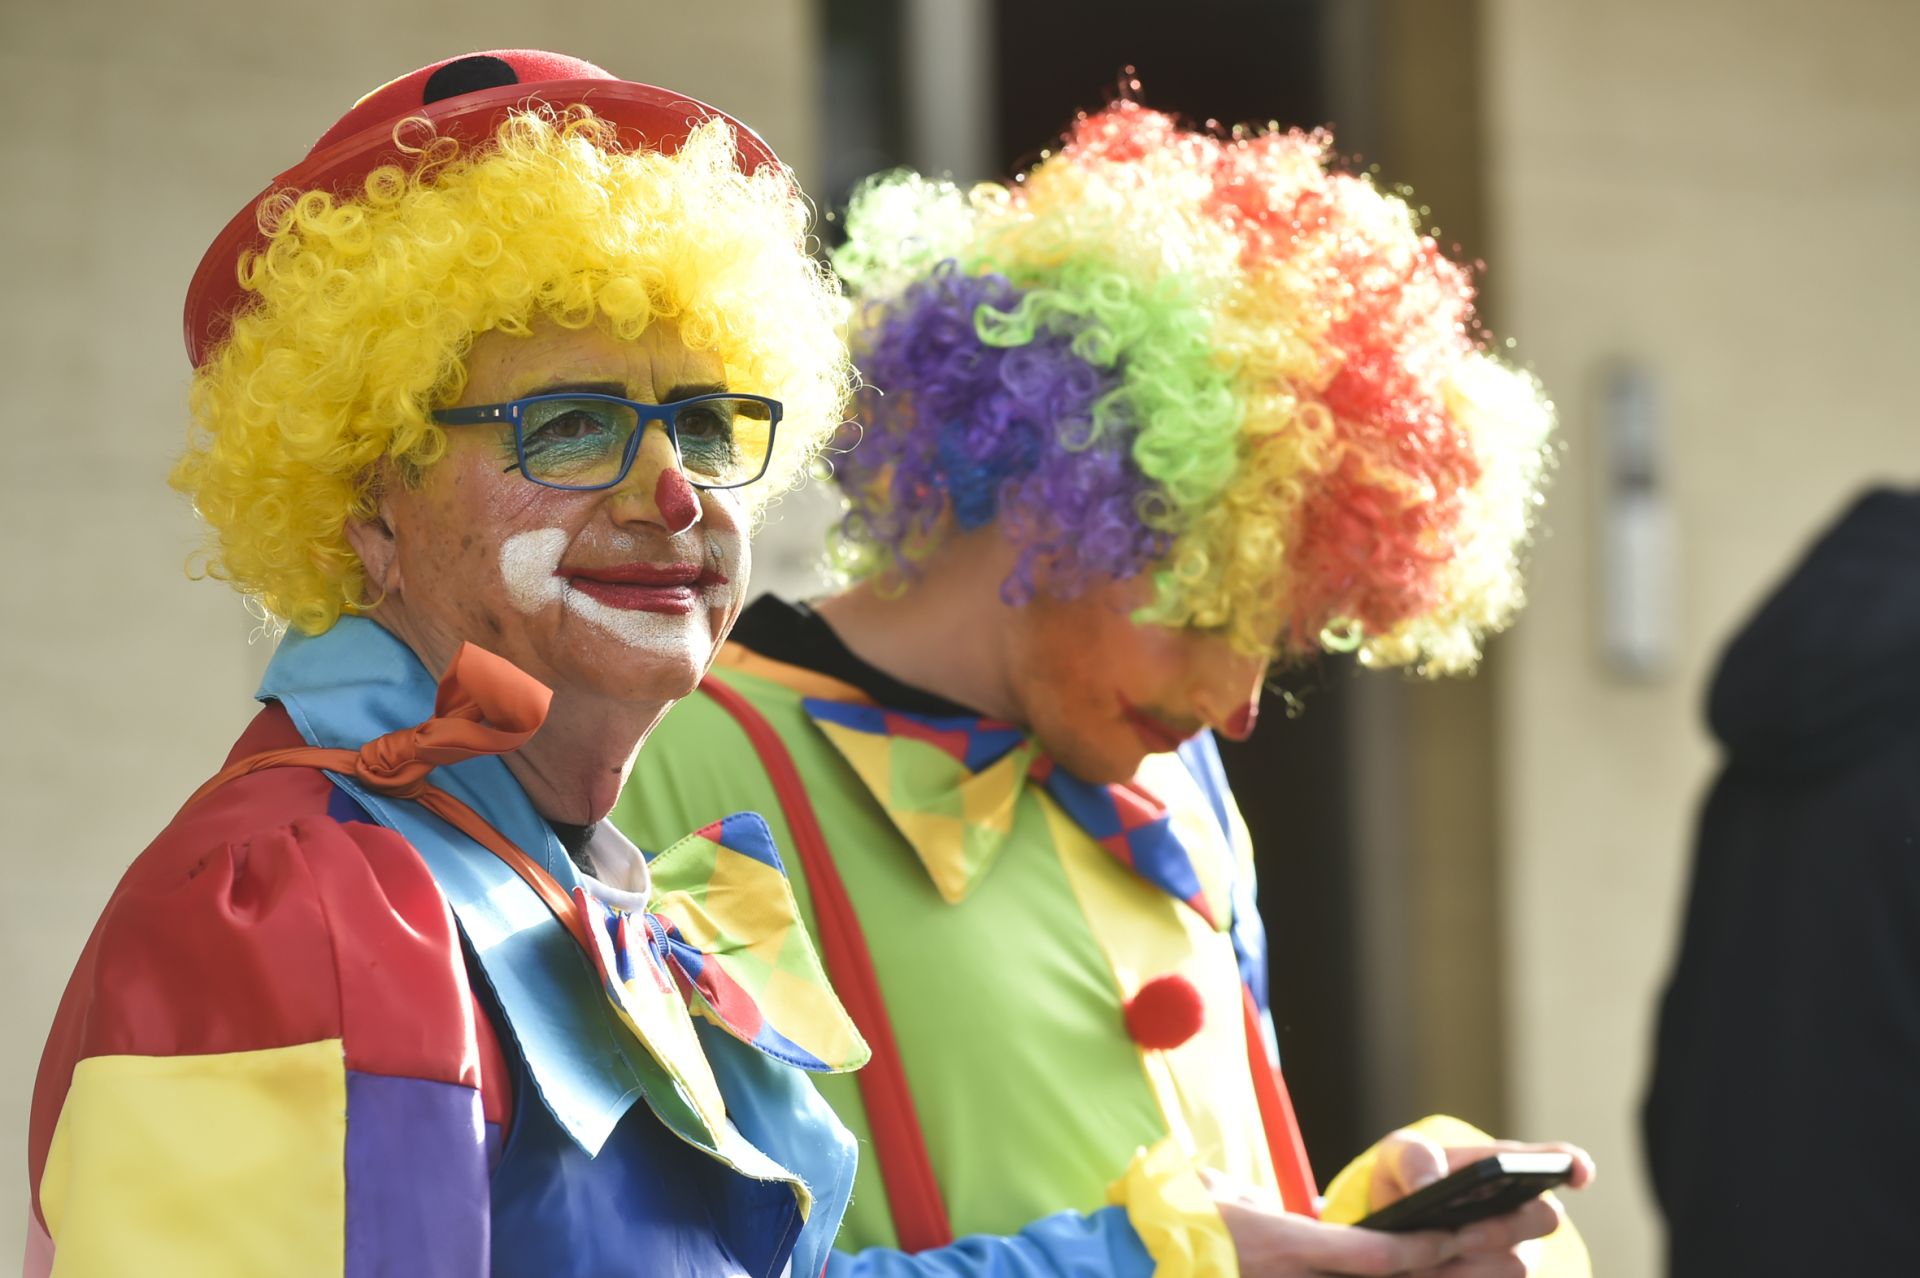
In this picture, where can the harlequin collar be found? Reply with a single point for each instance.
(951, 784)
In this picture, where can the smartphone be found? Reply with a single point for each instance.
(1491, 1187)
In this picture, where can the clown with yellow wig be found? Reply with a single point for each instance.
(1168, 408)
(488, 391)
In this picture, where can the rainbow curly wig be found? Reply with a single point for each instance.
(1205, 357)
(363, 309)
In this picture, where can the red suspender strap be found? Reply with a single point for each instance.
(913, 1195)
(1288, 1151)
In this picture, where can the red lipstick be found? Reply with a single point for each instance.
(669, 588)
(1159, 736)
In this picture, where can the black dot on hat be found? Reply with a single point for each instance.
(468, 75)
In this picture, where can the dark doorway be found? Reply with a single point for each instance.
(1294, 787)
(1236, 61)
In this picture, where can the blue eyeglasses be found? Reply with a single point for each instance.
(584, 441)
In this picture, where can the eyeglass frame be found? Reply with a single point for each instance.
(511, 412)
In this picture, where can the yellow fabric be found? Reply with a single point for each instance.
(1563, 1254)
(957, 823)
(1204, 1089)
(808, 683)
(201, 1166)
(740, 912)
(1171, 1210)
(1216, 862)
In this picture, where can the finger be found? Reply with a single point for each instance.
(1520, 1262)
(1407, 1161)
(1505, 1265)
(1559, 1211)
(1584, 1168)
(1535, 1219)
(1373, 1253)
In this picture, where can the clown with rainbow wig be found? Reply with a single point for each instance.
(1167, 409)
(488, 390)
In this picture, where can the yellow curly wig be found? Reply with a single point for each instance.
(364, 310)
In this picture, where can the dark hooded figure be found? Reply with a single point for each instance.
(1786, 1083)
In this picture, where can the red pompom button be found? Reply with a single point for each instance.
(1165, 1013)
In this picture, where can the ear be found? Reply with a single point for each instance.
(373, 543)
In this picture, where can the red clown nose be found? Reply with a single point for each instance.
(673, 498)
(464, 98)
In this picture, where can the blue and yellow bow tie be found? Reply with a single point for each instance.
(950, 786)
(721, 933)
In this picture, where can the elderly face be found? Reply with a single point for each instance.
(624, 592)
(1102, 692)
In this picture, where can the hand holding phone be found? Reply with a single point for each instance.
(1493, 1186)
(1269, 1240)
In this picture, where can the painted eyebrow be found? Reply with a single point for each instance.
(619, 390)
(689, 390)
(616, 389)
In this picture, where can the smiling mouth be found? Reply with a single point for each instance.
(1160, 737)
(668, 588)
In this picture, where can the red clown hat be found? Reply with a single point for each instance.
(464, 98)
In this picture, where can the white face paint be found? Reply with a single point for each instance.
(686, 634)
(530, 563)
(530, 567)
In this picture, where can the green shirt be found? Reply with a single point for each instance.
(1008, 1006)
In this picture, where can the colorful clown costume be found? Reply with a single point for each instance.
(321, 1030)
(1073, 977)
(1014, 915)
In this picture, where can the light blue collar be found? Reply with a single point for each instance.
(357, 682)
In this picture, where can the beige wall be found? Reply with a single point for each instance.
(1725, 192)
(135, 131)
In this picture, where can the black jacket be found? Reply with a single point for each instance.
(1783, 1121)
